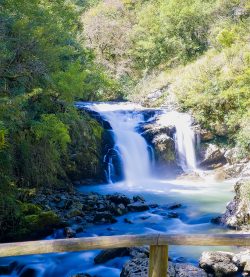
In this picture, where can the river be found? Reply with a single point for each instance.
(201, 198)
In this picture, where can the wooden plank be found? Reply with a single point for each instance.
(158, 261)
(79, 244)
(205, 239)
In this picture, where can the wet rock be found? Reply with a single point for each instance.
(164, 148)
(161, 138)
(138, 207)
(69, 232)
(188, 270)
(119, 199)
(138, 198)
(211, 156)
(247, 267)
(28, 272)
(139, 252)
(138, 267)
(110, 254)
(237, 213)
(126, 220)
(174, 206)
(120, 210)
(172, 215)
(7, 269)
(216, 220)
(74, 212)
(242, 260)
(104, 217)
(218, 263)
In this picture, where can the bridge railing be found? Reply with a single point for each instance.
(158, 255)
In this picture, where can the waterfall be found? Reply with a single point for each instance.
(132, 147)
(184, 137)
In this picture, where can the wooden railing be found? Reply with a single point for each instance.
(158, 256)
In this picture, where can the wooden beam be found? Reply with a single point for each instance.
(80, 244)
(77, 244)
(158, 261)
(205, 239)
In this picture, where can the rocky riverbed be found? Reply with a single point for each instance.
(211, 264)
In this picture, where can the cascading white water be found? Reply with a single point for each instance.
(184, 137)
(124, 118)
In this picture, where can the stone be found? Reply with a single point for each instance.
(232, 155)
(69, 232)
(74, 212)
(242, 260)
(211, 156)
(119, 199)
(138, 198)
(138, 207)
(237, 212)
(104, 217)
(188, 270)
(247, 266)
(138, 267)
(161, 138)
(126, 220)
(219, 263)
(110, 254)
(139, 252)
(172, 215)
(174, 206)
(120, 209)
(164, 148)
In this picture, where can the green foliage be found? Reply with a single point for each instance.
(44, 68)
(53, 130)
(41, 221)
(10, 215)
(226, 37)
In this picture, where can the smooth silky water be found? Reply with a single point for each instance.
(201, 199)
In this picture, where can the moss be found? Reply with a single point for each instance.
(42, 221)
(28, 208)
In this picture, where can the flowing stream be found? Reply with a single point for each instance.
(202, 198)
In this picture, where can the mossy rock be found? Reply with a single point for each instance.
(44, 220)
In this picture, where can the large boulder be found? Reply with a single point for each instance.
(110, 254)
(219, 263)
(164, 148)
(161, 138)
(211, 156)
(138, 267)
(237, 215)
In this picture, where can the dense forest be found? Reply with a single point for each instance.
(53, 53)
